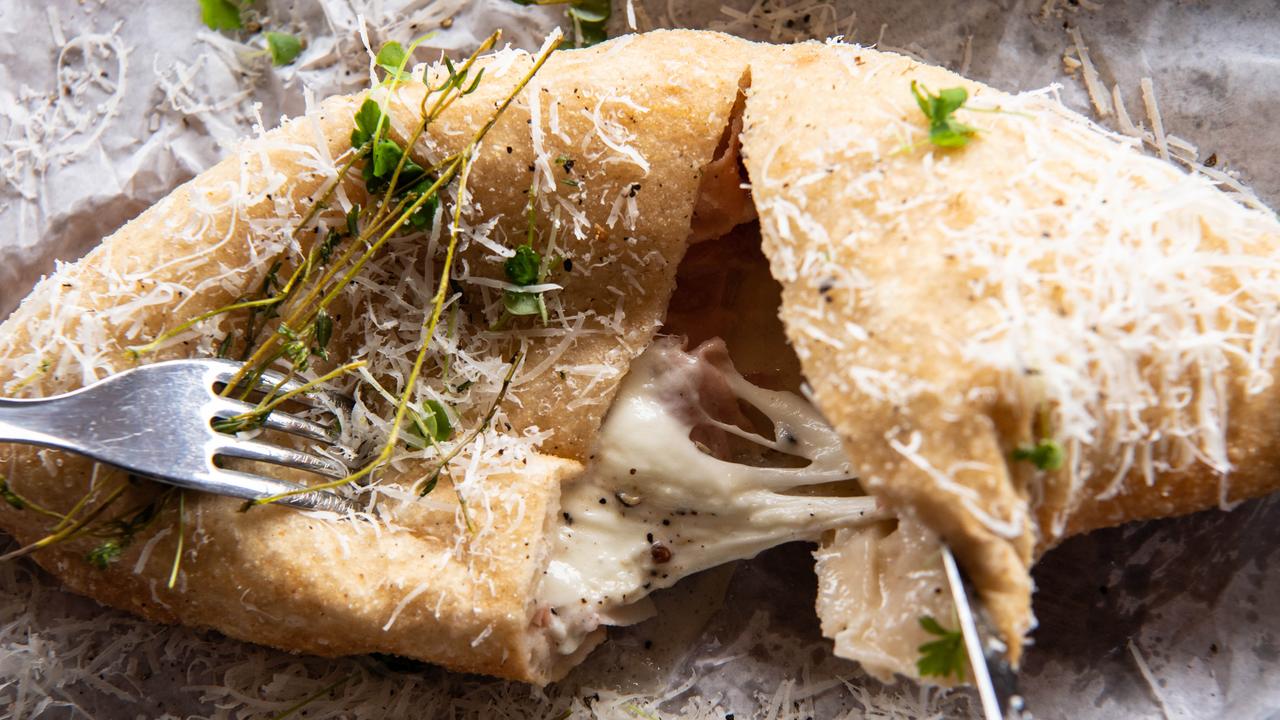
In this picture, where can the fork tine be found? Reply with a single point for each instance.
(269, 379)
(294, 425)
(277, 420)
(253, 487)
(266, 452)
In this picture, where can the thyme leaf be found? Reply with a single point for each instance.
(942, 657)
(429, 426)
(323, 331)
(11, 497)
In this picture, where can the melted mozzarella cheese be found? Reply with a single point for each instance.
(655, 505)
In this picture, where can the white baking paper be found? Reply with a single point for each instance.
(105, 107)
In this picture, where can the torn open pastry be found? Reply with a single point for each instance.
(703, 297)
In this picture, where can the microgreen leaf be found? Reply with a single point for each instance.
(1047, 454)
(220, 14)
(367, 119)
(283, 47)
(390, 57)
(523, 267)
(422, 218)
(944, 130)
(386, 155)
(943, 657)
(590, 18)
(523, 303)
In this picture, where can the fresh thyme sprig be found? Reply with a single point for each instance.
(68, 528)
(20, 502)
(945, 656)
(120, 532)
(459, 166)
(429, 484)
(450, 90)
(258, 415)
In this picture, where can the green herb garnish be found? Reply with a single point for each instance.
(10, 496)
(944, 130)
(387, 216)
(391, 57)
(368, 123)
(429, 426)
(323, 332)
(590, 18)
(120, 532)
(524, 268)
(1047, 454)
(942, 657)
(220, 14)
(105, 553)
(283, 47)
(182, 527)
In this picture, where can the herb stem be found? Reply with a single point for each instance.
(267, 407)
(64, 531)
(177, 553)
(11, 495)
(475, 432)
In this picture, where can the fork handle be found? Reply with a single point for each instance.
(27, 422)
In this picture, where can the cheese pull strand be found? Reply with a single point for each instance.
(656, 505)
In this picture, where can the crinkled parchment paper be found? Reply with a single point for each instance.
(105, 107)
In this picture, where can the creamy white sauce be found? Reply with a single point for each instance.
(654, 507)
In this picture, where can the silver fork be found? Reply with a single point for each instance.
(157, 421)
